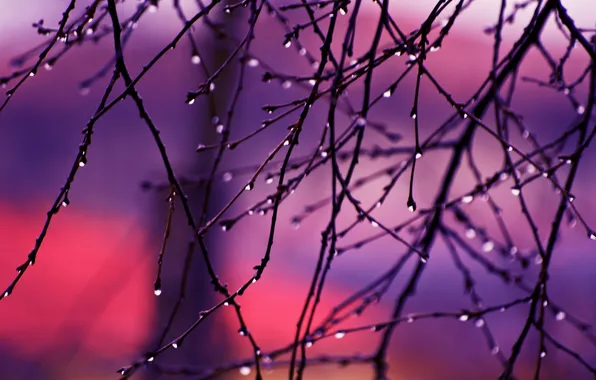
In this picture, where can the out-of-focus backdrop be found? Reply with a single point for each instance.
(87, 307)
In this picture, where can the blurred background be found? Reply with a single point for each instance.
(87, 307)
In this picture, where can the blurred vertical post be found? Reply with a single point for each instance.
(203, 347)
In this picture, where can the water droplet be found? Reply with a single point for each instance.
(526, 134)
(227, 176)
(479, 323)
(464, 317)
(538, 260)
(467, 199)
(157, 292)
(374, 224)
(286, 84)
(190, 101)
(343, 11)
(340, 334)
(150, 359)
(65, 203)
(542, 354)
(152, 8)
(488, 246)
(308, 343)
(48, 66)
(566, 91)
(387, 94)
(410, 319)
(195, 59)
(324, 154)
(226, 303)
(592, 235)
(219, 128)
(378, 204)
(545, 303)
(253, 62)
(470, 233)
(296, 223)
(302, 51)
(242, 331)
(249, 186)
(581, 109)
(244, 370)
(89, 31)
(560, 316)
(287, 44)
(515, 191)
(435, 48)
(418, 155)
(312, 82)
(174, 345)
(495, 350)
(211, 86)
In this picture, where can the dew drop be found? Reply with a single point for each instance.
(479, 323)
(190, 101)
(286, 84)
(488, 246)
(287, 44)
(340, 334)
(464, 317)
(150, 359)
(467, 199)
(157, 292)
(387, 94)
(560, 316)
(174, 345)
(470, 233)
(581, 109)
(295, 223)
(308, 343)
(435, 48)
(195, 59)
(515, 191)
(495, 350)
(374, 224)
(253, 62)
(219, 128)
(302, 51)
(542, 354)
(211, 86)
(244, 370)
(592, 236)
(48, 66)
(249, 186)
